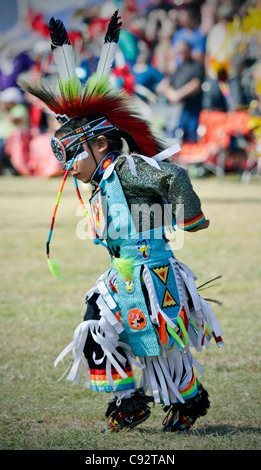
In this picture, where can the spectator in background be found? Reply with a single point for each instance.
(189, 31)
(161, 5)
(12, 66)
(160, 27)
(222, 89)
(121, 75)
(128, 43)
(13, 117)
(13, 111)
(208, 13)
(184, 88)
(146, 76)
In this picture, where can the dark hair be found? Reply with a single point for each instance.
(114, 137)
(193, 11)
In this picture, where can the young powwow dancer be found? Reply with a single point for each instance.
(145, 310)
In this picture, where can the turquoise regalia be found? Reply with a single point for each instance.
(152, 310)
(145, 310)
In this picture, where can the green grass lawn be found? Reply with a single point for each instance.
(39, 314)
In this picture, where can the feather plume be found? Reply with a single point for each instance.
(63, 55)
(109, 47)
(125, 267)
(99, 98)
(55, 268)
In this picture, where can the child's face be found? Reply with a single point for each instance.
(83, 169)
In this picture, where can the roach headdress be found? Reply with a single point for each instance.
(70, 99)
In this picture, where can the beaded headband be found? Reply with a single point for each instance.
(93, 129)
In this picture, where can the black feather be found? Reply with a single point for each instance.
(58, 33)
(208, 282)
(41, 91)
(215, 301)
(113, 30)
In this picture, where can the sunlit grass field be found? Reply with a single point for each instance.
(39, 314)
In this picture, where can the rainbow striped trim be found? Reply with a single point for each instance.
(191, 390)
(191, 223)
(100, 383)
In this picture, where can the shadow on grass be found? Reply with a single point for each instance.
(219, 430)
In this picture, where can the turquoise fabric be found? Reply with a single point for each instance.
(146, 248)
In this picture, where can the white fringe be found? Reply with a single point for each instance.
(161, 375)
(105, 332)
(164, 376)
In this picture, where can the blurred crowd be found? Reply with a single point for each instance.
(180, 60)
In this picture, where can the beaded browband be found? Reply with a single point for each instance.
(62, 146)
